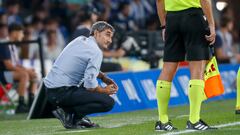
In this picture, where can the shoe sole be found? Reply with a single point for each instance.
(94, 127)
(160, 130)
(211, 128)
(165, 130)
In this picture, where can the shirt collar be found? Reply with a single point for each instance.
(94, 40)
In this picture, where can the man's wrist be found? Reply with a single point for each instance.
(102, 76)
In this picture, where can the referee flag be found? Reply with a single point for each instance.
(213, 82)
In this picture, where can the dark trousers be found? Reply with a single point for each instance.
(79, 100)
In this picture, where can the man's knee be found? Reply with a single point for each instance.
(24, 75)
(108, 104)
(21, 76)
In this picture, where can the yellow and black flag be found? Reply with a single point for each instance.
(212, 78)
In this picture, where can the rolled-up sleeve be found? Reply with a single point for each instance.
(92, 71)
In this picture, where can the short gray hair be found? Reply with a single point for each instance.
(101, 26)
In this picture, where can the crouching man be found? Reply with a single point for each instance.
(72, 86)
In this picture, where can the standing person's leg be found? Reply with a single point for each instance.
(174, 52)
(197, 50)
(196, 89)
(164, 88)
(238, 92)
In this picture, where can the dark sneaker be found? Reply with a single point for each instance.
(22, 108)
(159, 126)
(65, 118)
(86, 123)
(200, 125)
(237, 111)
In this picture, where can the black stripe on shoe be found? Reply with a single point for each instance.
(159, 126)
(200, 125)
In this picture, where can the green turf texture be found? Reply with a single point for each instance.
(130, 123)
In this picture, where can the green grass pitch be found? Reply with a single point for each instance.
(218, 113)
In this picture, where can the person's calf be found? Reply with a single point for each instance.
(22, 78)
(30, 99)
(33, 86)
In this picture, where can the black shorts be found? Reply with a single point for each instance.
(185, 36)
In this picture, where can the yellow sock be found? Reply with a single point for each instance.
(238, 90)
(163, 96)
(196, 96)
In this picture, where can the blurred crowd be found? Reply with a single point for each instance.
(227, 39)
(59, 21)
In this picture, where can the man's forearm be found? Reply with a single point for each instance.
(161, 12)
(207, 10)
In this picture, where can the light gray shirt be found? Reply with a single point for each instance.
(79, 62)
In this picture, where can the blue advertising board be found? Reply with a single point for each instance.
(137, 90)
(129, 96)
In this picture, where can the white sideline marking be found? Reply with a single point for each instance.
(190, 131)
(64, 132)
(228, 125)
(181, 116)
(73, 131)
(173, 133)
